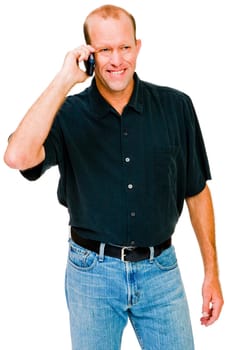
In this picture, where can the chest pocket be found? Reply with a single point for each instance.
(165, 167)
(165, 179)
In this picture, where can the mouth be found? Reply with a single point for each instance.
(116, 72)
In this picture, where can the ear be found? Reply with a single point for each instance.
(138, 45)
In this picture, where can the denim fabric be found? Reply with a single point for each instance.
(103, 292)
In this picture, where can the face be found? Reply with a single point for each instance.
(115, 55)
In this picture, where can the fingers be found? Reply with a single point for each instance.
(82, 52)
(207, 317)
(71, 70)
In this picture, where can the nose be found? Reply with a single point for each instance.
(116, 58)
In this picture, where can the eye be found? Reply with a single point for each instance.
(104, 49)
(126, 47)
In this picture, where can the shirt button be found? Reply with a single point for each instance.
(127, 159)
(132, 243)
(125, 133)
(133, 213)
(130, 186)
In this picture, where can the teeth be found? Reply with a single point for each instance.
(117, 73)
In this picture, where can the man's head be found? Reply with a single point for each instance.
(111, 31)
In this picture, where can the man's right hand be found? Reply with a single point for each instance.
(71, 71)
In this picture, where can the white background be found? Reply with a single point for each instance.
(188, 45)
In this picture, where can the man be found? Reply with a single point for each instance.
(129, 153)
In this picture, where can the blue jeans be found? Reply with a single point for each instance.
(103, 292)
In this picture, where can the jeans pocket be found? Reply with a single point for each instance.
(167, 259)
(81, 258)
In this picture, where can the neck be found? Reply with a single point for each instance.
(118, 102)
(117, 99)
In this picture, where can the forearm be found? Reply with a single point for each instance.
(202, 218)
(25, 148)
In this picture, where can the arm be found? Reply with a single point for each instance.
(25, 148)
(202, 217)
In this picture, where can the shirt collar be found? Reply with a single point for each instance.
(96, 99)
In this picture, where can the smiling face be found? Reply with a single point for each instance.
(115, 55)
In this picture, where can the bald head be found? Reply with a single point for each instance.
(106, 12)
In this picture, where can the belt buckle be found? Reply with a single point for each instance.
(123, 254)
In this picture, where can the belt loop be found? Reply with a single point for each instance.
(151, 254)
(101, 252)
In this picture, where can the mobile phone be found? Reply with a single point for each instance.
(90, 65)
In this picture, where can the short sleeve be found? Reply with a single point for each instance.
(53, 150)
(198, 170)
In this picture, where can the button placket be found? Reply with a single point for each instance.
(128, 150)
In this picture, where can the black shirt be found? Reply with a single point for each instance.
(124, 178)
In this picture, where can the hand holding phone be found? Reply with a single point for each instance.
(90, 65)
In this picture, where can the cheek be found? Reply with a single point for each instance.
(100, 60)
(100, 66)
(131, 59)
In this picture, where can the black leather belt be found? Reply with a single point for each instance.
(132, 254)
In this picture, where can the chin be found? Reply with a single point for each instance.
(118, 86)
